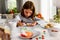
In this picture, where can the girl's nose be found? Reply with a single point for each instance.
(28, 13)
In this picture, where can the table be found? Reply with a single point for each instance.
(47, 36)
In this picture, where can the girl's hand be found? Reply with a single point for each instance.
(34, 23)
(19, 23)
(31, 24)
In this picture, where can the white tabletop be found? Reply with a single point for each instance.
(47, 35)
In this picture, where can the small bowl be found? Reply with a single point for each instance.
(53, 31)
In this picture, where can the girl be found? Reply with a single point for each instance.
(27, 15)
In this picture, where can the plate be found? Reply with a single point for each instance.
(35, 34)
(53, 33)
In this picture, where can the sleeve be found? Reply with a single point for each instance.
(17, 17)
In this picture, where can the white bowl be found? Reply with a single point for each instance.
(53, 33)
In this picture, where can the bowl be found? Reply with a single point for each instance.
(53, 31)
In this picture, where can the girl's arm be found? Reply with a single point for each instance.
(17, 18)
(19, 21)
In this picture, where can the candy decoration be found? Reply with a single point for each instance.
(39, 37)
(43, 37)
(23, 35)
(36, 38)
(30, 39)
(39, 15)
(44, 31)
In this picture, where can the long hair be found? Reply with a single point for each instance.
(28, 5)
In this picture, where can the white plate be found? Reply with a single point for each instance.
(35, 34)
(54, 33)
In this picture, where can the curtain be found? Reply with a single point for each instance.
(2, 6)
(19, 5)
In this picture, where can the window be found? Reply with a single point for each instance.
(11, 4)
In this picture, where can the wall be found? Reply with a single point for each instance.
(57, 3)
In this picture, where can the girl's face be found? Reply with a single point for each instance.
(27, 12)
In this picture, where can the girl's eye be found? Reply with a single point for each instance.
(28, 11)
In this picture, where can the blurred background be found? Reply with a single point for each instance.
(55, 11)
(16, 5)
(49, 9)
